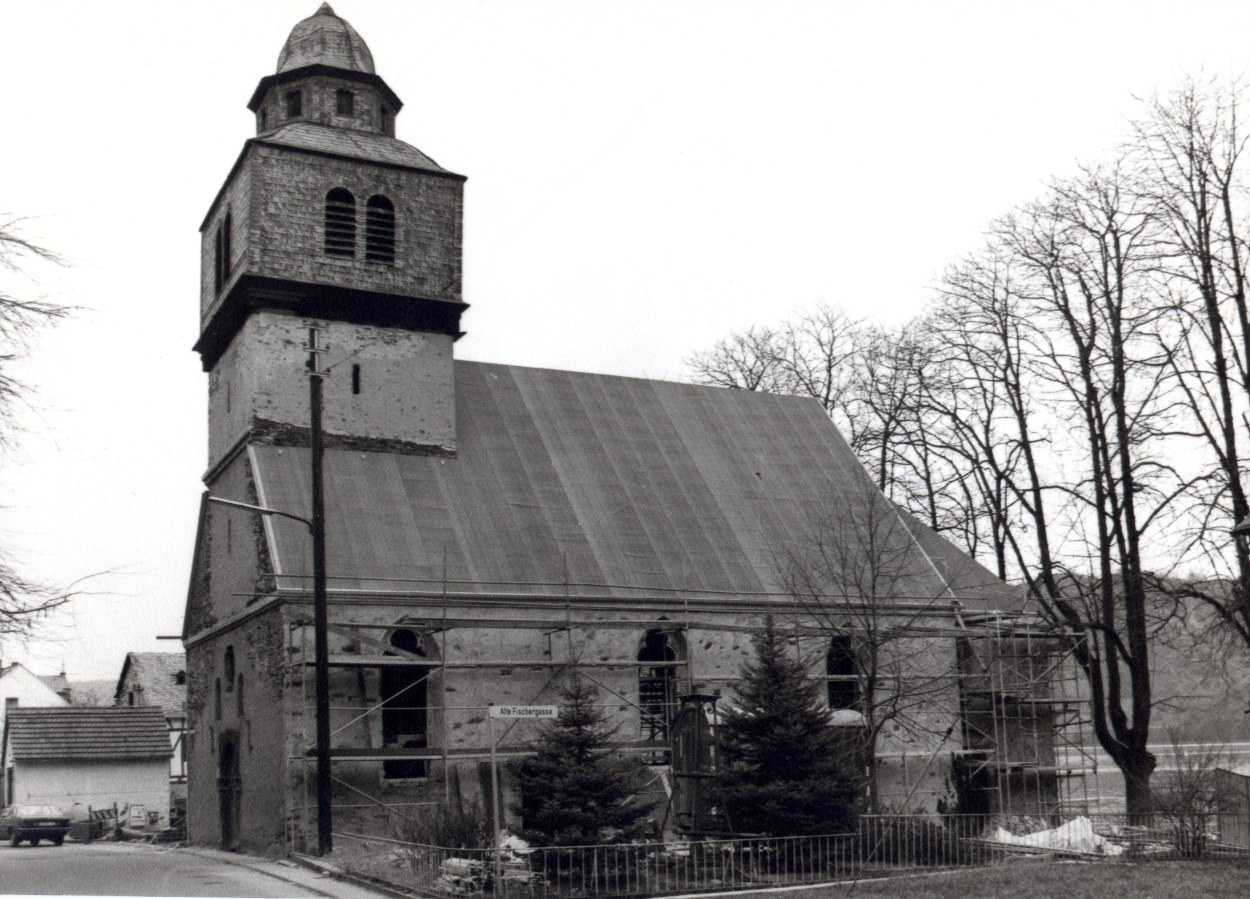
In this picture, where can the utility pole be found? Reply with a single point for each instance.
(325, 842)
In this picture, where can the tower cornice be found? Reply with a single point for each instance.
(254, 293)
(280, 78)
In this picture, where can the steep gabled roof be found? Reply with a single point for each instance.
(155, 676)
(593, 485)
(87, 732)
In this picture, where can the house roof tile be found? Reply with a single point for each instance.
(155, 675)
(87, 732)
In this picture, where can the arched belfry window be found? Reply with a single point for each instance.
(380, 229)
(842, 680)
(340, 223)
(222, 252)
(657, 691)
(405, 707)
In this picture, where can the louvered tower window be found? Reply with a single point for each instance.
(380, 229)
(340, 223)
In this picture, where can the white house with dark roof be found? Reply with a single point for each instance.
(160, 679)
(490, 528)
(21, 688)
(88, 756)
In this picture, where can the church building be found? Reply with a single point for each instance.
(489, 527)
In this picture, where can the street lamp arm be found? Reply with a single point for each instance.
(261, 510)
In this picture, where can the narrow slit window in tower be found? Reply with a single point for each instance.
(356, 379)
(340, 223)
(380, 229)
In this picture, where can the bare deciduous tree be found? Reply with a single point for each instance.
(22, 313)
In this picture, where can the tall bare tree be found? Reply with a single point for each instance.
(23, 312)
(866, 585)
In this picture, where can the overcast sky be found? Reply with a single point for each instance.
(643, 178)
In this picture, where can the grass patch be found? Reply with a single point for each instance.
(1061, 880)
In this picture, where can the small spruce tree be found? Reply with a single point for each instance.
(576, 791)
(786, 771)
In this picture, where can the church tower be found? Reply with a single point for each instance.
(328, 222)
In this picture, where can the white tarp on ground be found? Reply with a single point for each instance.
(1076, 835)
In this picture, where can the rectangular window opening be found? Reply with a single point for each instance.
(356, 379)
(294, 104)
(344, 102)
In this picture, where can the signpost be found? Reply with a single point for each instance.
(532, 712)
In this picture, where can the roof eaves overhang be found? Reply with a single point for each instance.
(271, 81)
(253, 293)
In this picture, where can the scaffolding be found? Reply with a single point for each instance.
(1020, 714)
(1025, 718)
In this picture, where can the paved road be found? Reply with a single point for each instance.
(135, 869)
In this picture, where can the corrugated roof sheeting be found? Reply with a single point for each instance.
(85, 732)
(650, 484)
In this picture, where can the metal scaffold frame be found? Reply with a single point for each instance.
(1016, 694)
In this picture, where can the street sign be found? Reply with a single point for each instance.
(524, 711)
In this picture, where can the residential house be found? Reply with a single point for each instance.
(89, 757)
(160, 679)
(20, 688)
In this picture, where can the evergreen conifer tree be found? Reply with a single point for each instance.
(575, 791)
(786, 771)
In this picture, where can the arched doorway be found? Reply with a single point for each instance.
(228, 789)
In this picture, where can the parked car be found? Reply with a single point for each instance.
(33, 823)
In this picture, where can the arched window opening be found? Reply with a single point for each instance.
(380, 229)
(340, 223)
(222, 253)
(405, 712)
(130, 698)
(657, 692)
(842, 678)
(180, 678)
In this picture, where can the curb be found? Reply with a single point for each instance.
(368, 883)
(245, 861)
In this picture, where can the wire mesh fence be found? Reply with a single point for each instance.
(882, 844)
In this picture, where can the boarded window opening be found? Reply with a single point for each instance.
(405, 715)
(380, 229)
(340, 223)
